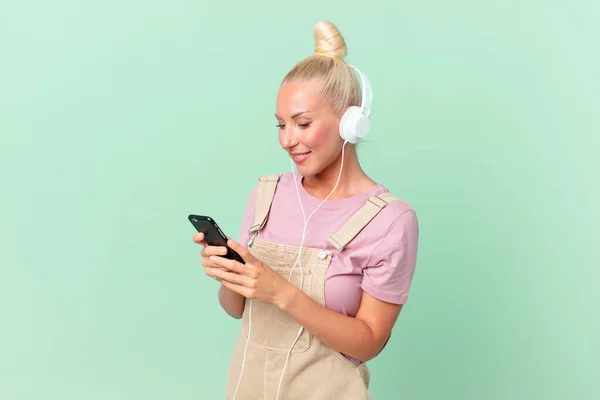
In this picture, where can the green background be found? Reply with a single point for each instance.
(118, 119)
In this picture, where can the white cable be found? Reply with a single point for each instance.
(300, 252)
(315, 210)
(245, 348)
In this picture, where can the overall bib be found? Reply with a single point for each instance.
(314, 370)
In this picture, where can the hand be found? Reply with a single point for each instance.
(254, 280)
(208, 251)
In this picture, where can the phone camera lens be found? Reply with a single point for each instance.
(194, 220)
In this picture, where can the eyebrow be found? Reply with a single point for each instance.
(293, 116)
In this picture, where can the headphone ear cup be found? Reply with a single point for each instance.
(354, 125)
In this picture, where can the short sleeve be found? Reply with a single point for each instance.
(391, 267)
(248, 218)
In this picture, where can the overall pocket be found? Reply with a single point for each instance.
(272, 328)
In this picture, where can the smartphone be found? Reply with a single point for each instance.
(213, 235)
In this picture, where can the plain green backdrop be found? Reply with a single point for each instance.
(118, 119)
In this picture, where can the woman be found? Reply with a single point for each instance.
(320, 290)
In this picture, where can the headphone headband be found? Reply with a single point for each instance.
(356, 122)
(367, 92)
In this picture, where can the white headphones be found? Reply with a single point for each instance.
(356, 123)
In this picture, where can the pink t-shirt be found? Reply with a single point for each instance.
(380, 260)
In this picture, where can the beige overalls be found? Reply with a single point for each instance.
(314, 370)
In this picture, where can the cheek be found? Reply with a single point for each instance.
(319, 137)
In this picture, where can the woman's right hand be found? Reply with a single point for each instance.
(208, 251)
(232, 302)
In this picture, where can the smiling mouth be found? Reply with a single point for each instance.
(300, 157)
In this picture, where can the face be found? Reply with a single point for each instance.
(308, 127)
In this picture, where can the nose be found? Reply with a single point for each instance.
(288, 137)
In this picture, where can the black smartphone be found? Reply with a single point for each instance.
(213, 235)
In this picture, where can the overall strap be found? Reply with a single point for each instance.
(360, 219)
(266, 190)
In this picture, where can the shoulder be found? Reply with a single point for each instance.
(396, 222)
(285, 178)
(278, 180)
(396, 208)
(393, 238)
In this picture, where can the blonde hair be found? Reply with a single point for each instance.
(340, 85)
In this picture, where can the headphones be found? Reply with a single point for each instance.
(356, 123)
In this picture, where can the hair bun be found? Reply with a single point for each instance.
(329, 40)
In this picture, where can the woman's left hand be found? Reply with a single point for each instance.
(254, 280)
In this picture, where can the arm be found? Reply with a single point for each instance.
(233, 303)
(388, 276)
(361, 337)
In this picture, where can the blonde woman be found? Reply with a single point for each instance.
(329, 253)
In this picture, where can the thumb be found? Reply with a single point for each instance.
(199, 239)
(241, 250)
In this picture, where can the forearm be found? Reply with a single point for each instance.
(347, 335)
(233, 303)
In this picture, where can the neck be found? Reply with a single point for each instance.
(352, 181)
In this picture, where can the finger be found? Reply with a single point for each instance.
(208, 263)
(209, 271)
(244, 291)
(231, 277)
(241, 250)
(229, 264)
(213, 251)
(199, 239)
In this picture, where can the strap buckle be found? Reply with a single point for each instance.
(378, 201)
(254, 228)
(270, 178)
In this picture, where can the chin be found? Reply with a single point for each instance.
(308, 171)
(311, 167)
(304, 169)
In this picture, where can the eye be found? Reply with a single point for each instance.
(280, 126)
(304, 126)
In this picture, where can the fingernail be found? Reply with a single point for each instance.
(213, 258)
(214, 271)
